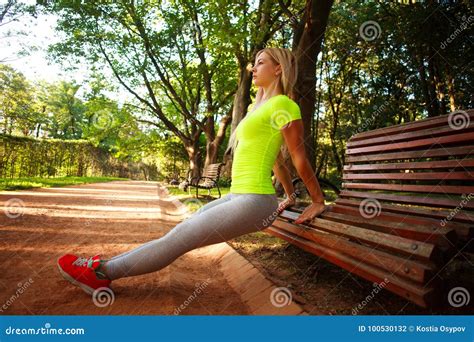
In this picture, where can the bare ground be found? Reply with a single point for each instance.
(37, 226)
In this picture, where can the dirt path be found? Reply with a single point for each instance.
(37, 226)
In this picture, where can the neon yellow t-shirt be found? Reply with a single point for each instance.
(259, 141)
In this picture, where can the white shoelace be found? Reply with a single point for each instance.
(81, 261)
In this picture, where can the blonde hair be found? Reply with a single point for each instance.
(286, 81)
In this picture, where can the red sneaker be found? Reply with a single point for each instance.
(82, 272)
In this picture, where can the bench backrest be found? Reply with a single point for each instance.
(423, 169)
(212, 171)
(407, 201)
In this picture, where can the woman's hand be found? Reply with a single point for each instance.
(311, 211)
(288, 202)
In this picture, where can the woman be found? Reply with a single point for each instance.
(250, 206)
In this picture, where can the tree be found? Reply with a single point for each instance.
(15, 101)
(64, 110)
(167, 55)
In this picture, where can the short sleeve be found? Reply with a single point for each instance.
(285, 110)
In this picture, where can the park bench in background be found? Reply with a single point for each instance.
(405, 209)
(209, 179)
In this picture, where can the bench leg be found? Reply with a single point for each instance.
(197, 192)
(219, 191)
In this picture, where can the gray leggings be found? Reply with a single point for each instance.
(220, 220)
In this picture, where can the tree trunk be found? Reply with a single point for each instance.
(214, 141)
(307, 45)
(424, 85)
(239, 108)
(193, 154)
(450, 81)
(432, 88)
(439, 84)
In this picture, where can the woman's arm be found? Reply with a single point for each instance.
(283, 175)
(293, 134)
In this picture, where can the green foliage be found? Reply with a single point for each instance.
(383, 64)
(16, 96)
(29, 157)
(56, 111)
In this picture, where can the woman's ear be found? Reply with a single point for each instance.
(278, 70)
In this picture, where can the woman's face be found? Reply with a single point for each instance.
(264, 71)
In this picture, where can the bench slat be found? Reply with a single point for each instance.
(459, 222)
(416, 249)
(403, 267)
(408, 126)
(442, 237)
(210, 175)
(353, 208)
(432, 133)
(450, 139)
(439, 164)
(460, 175)
(422, 201)
(435, 152)
(421, 295)
(445, 189)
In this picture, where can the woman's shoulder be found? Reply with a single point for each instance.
(283, 101)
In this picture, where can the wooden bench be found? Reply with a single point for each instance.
(209, 179)
(405, 209)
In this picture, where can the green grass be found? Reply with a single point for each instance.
(38, 182)
(174, 190)
(203, 198)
